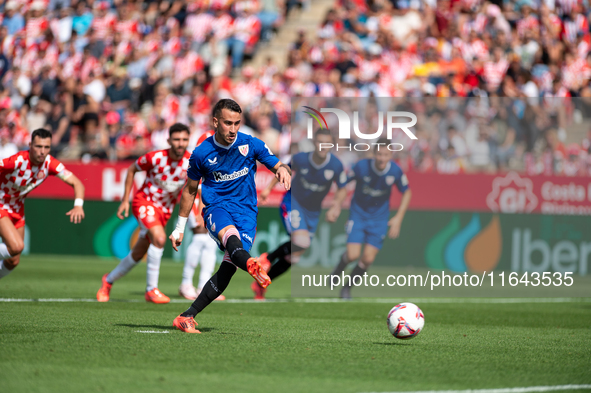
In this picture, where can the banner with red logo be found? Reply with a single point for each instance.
(503, 193)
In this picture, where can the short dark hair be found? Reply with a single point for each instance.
(381, 141)
(178, 127)
(225, 103)
(323, 131)
(41, 133)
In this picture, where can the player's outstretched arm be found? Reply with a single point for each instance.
(187, 201)
(267, 191)
(332, 215)
(282, 174)
(77, 213)
(198, 217)
(123, 210)
(396, 221)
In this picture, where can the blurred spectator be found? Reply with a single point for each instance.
(59, 125)
(268, 134)
(13, 19)
(7, 148)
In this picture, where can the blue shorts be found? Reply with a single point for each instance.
(366, 231)
(296, 218)
(217, 218)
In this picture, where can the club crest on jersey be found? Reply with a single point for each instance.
(41, 175)
(304, 171)
(328, 174)
(390, 180)
(243, 150)
(366, 179)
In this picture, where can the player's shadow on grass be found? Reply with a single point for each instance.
(393, 343)
(162, 327)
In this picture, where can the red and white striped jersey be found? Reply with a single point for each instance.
(368, 69)
(186, 67)
(18, 177)
(247, 92)
(91, 64)
(222, 27)
(103, 26)
(566, 6)
(479, 49)
(528, 23)
(71, 66)
(571, 28)
(574, 74)
(199, 25)
(244, 5)
(164, 178)
(127, 28)
(495, 72)
(34, 28)
(247, 29)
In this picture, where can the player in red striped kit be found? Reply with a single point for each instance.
(202, 249)
(19, 175)
(153, 203)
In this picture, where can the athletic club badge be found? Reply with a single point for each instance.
(390, 180)
(328, 174)
(243, 150)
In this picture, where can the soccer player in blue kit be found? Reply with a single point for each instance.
(226, 164)
(369, 220)
(314, 174)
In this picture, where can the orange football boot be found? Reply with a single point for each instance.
(185, 324)
(220, 298)
(259, 292)
(257, 272)
(264, 262)
(103, 294)
(155, 296)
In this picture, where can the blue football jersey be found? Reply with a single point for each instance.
(311, 182)
(373, 188)
(227, 172)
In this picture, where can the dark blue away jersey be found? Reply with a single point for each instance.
(227, 172)
(373, 188)
(311, 182)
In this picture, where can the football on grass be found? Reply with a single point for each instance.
(405, 320)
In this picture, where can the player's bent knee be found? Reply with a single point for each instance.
(301, 243)
(159, 241)
(365, 264)
(15, 247)
(353, 256)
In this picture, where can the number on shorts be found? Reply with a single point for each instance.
(295, 219)
(146, 211)
(349, 226)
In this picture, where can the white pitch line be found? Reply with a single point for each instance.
(506, 390)
(152, 331)
(327, 300)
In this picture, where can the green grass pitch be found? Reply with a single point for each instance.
(269, 347)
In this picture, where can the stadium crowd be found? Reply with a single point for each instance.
(109, 77)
